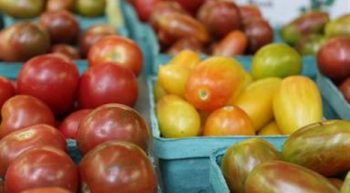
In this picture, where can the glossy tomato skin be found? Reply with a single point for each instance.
(23, 8)
(52, 79)
(22, 41)
(125, 158)
(62, 26)
(249, 12)
(69, 126)
(259, 33)
(107, 83)
(213, 82)
(144, 8)
(186, 44)
(22, 111)
(20, 141)
(220, 17)
(333, 58)
(7, 90)
(47, 190)
(112, 122)
(119, 50)
(234, 43)
(66, 50)
(58, 5)
(41, 167)
(92, 35)
(162, 8)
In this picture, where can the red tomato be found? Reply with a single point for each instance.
(144, 8)
(41, 167)
(92, 35)
(119, 50)
(62, 26)
(112, 122)
(70, 124)
(58, 5)
(220, 17)
(115, 166)
(249, 12)
(7, 90)
(51, 79)
(23, 111)
(345, 89)
(162, 8)
(259, 33)
(17, 142)
(186, 44)
(47, 190)
(234, 43)
(107, 83)
(66, 50)
(191, 6)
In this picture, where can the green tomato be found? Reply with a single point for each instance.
(90, 8)
(276, 60)
(22, 8)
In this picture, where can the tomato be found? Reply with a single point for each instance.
(22, 8)
(119, 50)
(234, 43)
(90, 8)
(22, 140)
(259, 33)
(173, 78)
(7, 90)
(22, 111)
(107, 83)
(121, 166)
(22, 41)
(92, 35)
(270, 129)
(249, 12)
(66, 50)
(345, 89)
(69, 126)
(228, 120)
(336, 182)
(112, 122)
(186, 58)
(47, 190)
(144, 8)
(58, 5)
(62, 26)
(158, 91)
(191, 6)
(177, 118)
(333, 58)
(178, 26)
(213, 82)
(186, 44)
(52, 79)
(220, 17)
(162, 8)
(41, 167)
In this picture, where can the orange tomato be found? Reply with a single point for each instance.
(212, 82)
(228, 120)
(234, 43)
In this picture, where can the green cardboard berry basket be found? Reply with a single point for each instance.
(333, 96)
(184, 162)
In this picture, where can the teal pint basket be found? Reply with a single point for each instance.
(333, 96)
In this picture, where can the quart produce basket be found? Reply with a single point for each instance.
(184, 163)
(333, 96)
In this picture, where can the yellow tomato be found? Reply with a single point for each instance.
(173, 78)
(177, 118)
(159, 91)
(270, 129)
(186, 58)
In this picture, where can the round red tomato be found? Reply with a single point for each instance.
(23, 111)
(70, 124)
(52, 79)
(41, 167)
(16, 143)
(112, 122)
(47, 190)
(62, 26)
(119, 50)
(92, 35)
(115, 166)
(7, 90)
(107, 83)
(144, 8)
